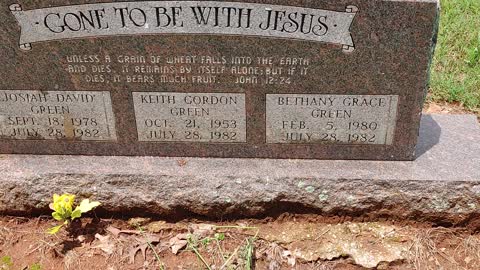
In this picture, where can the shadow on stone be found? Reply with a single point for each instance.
(429, 135)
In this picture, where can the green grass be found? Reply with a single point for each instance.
(456, 65)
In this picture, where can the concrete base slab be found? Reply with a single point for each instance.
(441, 186)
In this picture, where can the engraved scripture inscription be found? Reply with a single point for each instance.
(347, 119)
(56, 115)
(190, 117)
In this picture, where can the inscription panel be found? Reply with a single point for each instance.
(185, 17)
(56, 115)
(327, 119)
(190, 117)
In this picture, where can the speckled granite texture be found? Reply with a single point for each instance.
(394, 43)
(442, 185)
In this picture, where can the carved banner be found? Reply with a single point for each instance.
(184, 17)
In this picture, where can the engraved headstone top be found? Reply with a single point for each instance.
(277, 79)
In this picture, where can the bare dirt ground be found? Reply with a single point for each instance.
(447, 108)
(286, 242)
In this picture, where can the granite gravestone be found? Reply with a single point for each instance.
(335, 79)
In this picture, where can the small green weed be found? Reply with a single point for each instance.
(193, 244)
(217, 237)
(206, 237)
(473, 57)
(249, 251)
(35, 266)
(6, 263)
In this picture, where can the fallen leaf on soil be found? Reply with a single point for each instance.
(178, 242)
(158, 226)
(117, 232)
(141, 244)
(202, 230)
(106, 244)
(288, 256)
(81, 238)
(274, 256)
(134, 250)
(135, 222)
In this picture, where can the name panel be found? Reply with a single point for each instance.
(56, 115)
(190, 117)
(331, 119)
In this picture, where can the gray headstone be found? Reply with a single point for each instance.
(277, 79)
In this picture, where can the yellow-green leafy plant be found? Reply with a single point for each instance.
(64, 211)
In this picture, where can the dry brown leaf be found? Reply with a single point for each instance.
(139, 221)
(148, 238)
(159, 226)
(273, 265)
(106, 244)
(117, 232)
(287, 255)
(134, 250)
(141, 244)
(113, 230)
(274, 253)
(81, 238)
(202, 230)
(178, 242)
